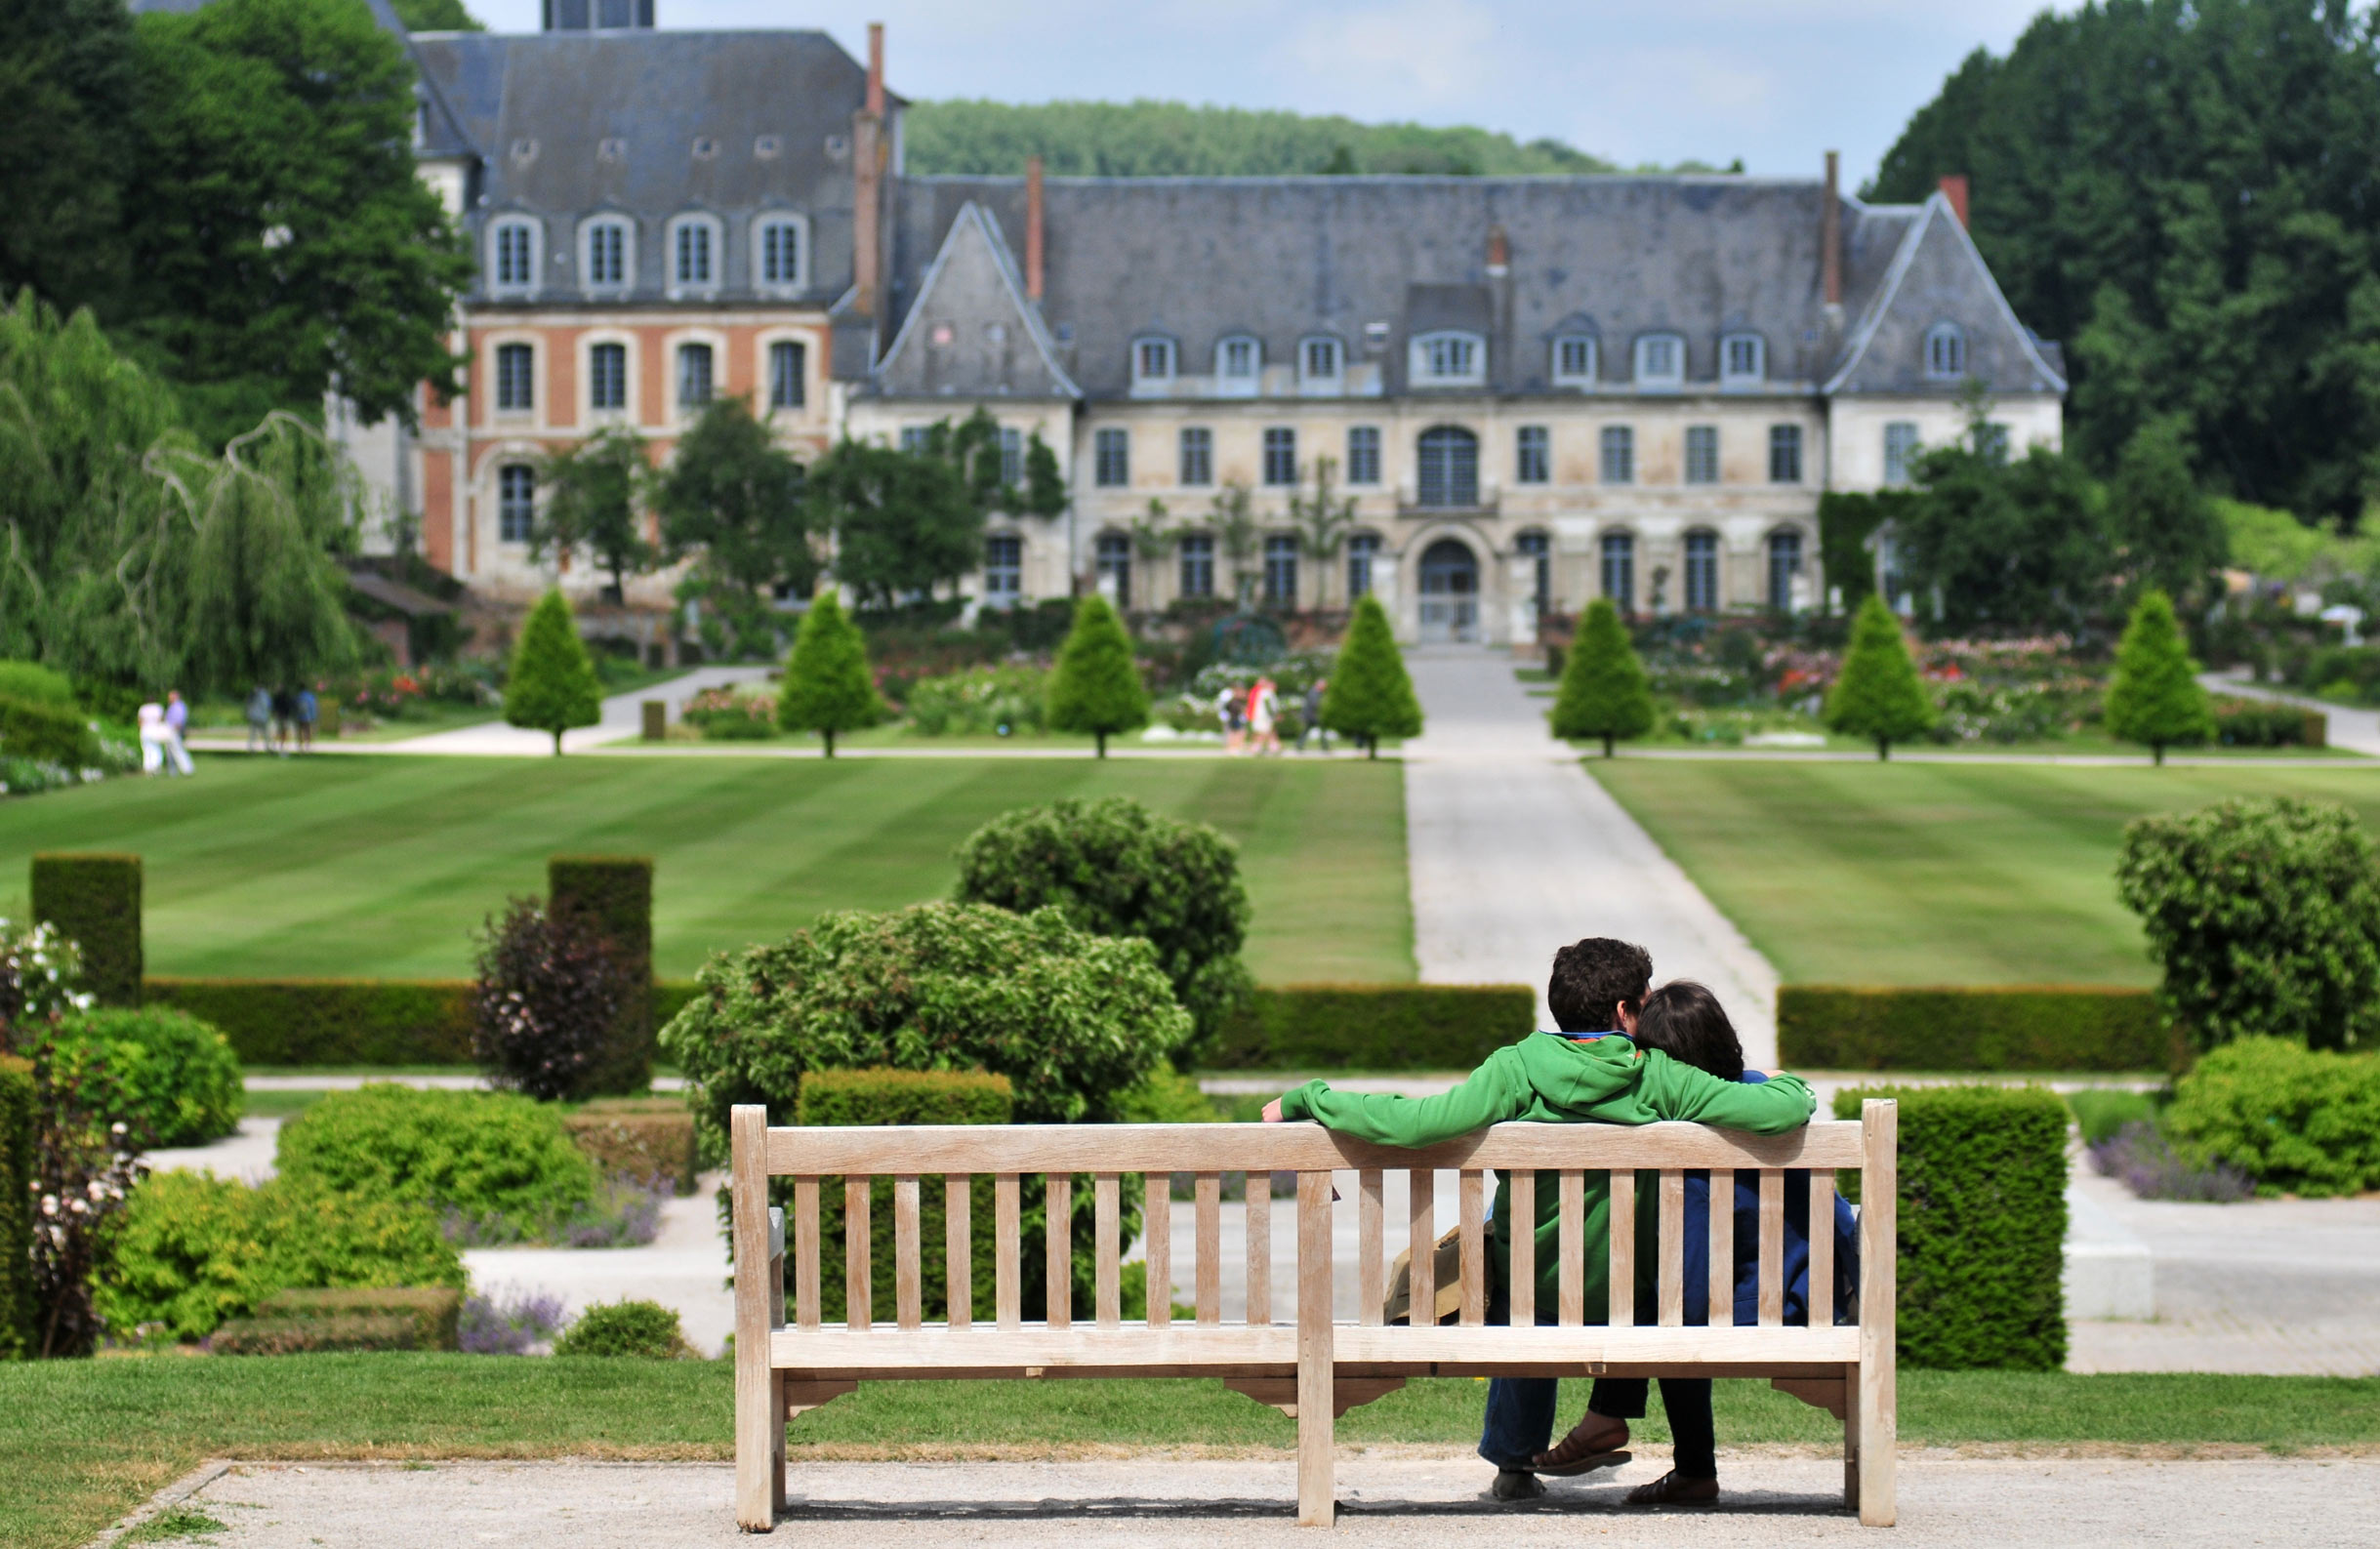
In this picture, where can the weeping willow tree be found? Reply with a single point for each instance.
(130, 555)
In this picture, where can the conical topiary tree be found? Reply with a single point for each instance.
(1877, 695)
(1096, 688)
(553, 685)
(2156, 695)
(828, 687)
(1370, 696)
(1605, 692)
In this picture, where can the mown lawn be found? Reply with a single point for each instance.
(83, 1441)
(382, 866)
(1934, 874)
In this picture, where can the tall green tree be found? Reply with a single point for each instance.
(66, 147)
(1322, 521)
(1045, 492)
(1096, 687)
(2166, 531)
(552, 685)
(828, 687)
(436, 15)
(1370, 694)
(593, 490)
(2006, 544)
(278, 240)
(1604, 691)
(2179, 190)
(738, 504)
(1878, 695)
(2155, 696)
(904, 522)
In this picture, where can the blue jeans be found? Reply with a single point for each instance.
(1521, 1411)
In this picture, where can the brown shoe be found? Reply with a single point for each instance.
(1674, 1489)
(1594, 1443)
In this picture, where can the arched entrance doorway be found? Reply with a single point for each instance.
(1450, 594)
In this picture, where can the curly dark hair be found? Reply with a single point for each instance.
(1592, 979)
(1686, 1022)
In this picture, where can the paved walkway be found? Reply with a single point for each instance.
(1514, 851)
(1422, 1497)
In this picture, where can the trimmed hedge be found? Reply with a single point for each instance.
(45, 733)
(95, 902)
(306, 1336)
(614, 893)
(1397, 1027)
(434, 1311)
(16, 1105)
(650, 1140)
(2019, 1028)
(1982, 1224)
(331, 1021)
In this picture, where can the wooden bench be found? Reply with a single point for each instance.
(1316, 1369)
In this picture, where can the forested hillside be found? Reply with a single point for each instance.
(1145, 139)
(2188, 196)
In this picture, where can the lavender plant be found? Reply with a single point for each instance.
(504, 1321)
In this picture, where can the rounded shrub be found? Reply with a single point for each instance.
(625, 1329)
(547, 998)
(193, 1249)
(34, 683)
(170, 1076)
(1071, 1018)
(498, 1165)
(1114, 868)
(2297, 1121)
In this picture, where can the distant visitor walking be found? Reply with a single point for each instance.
(177, 723)
(260, 719)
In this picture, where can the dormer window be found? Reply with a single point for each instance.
(512, 257)
(780, 247)
(1574, 360)
(1321, 365)
(1236, 364)
(1449, 359)
(1660, 361)
(1152, 362)
(1743, 361)
(694, 255)
(607, 256)
(1946, 352)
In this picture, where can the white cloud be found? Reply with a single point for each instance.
(1427, 53)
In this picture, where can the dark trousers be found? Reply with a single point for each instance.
(1520, 1415)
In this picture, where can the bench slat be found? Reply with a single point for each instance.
(1523, 1228)
(958, 1250)
(1471, 1190)
(1772, 1249)
(1107, 1275)
(1057, 1248)
(805, 1252)
(1007, 1248)
(856, 1285)
(907, 1254)
(1157, 1234)
(1288, 1148)
(1259, 1247)
(1623, 1280)
(1520, 1346)
(1722, 1247)
(1822, 1249)
(1208, 1271)
(1573, 1248)
(1370, 1246)
(1421, 1260)
(1673, 1248)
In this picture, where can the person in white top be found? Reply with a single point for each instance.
(153, 737)
(1263, 711)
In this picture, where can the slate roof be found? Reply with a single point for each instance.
(1199, 259)
(972, 333)
(539, 109)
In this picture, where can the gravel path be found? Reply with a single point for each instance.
(1514, 851)
(1391, 1496)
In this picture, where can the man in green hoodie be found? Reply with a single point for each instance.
(1589, 1072)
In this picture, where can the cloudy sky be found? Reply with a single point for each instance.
(1777, 82)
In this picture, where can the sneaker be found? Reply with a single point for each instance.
(1516, 1484)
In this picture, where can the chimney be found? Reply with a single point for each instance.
(1953, 185)
(1830, 233)
(867, 180)
(1032, 230)
(1499, 251)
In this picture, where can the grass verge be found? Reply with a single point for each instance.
(82, 1443)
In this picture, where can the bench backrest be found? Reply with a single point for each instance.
(1655, 1157)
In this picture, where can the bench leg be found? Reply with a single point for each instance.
(760, 1444)
(1851, 1437)
(1317, 1422)
(1873, 1406)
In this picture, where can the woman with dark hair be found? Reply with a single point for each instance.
(1686, 1022)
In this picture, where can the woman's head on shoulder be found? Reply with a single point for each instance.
(1685, 1020)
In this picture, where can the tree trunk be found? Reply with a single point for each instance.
(1101, 738)
(1884, 749)
(828, 734)
(1371, 747)
(1607, 747)
(2157, 751)
(557, 743)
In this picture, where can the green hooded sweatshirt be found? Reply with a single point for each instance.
(1550, 1079)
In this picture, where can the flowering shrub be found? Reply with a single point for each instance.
(85, 1169)
(726, 715)
(986, 701)
(503, 1322)
(40, 974)
(2140, 1157)
(547, 995)
(393, 693)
